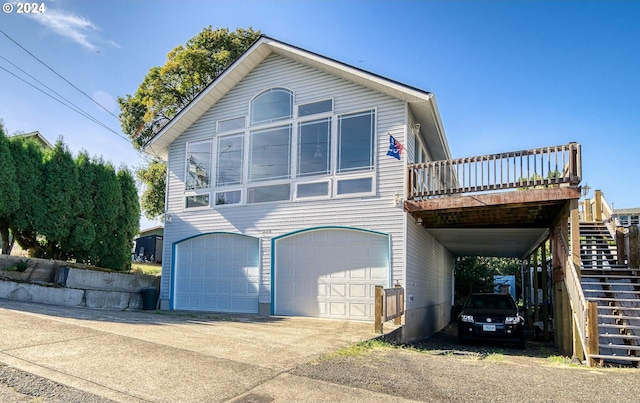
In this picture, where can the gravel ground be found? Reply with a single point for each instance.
(439, 370)
(435, 370)
(20, 386)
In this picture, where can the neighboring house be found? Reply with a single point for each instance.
(148, 245)
(282, 200)
(628, 217)
(37, 137)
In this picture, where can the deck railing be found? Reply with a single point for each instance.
(538, 167)
(579, 307)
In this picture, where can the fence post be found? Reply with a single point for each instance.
(399, 305)
(378, 308)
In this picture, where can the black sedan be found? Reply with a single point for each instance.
(491, 317)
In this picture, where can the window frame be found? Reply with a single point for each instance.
(186, 166)
(372, 142)
(252, 104)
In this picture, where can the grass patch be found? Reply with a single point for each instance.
(559, 360)
(362, 348)
(495, 357)
(146, 268)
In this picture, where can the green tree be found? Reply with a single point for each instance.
(9, 191)
(166, 89)
(28, 157)
(83, 231)
(107, 208)
(60, 191)
(128, 222)
(475, 273)
(153, 178)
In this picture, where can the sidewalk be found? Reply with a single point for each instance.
(148, 356)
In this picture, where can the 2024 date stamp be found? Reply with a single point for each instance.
(24, 8)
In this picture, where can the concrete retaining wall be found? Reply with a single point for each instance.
(56, 284)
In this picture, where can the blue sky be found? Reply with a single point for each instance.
(507, 75)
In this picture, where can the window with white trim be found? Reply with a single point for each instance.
(356, 141)
(314, 147)
(230, 160)
(271, 106)
(198, 165)
(312, 154)
(270, 154)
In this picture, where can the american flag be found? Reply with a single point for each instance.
(395, 148)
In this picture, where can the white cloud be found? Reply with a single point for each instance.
(76, 28)
(105, 99)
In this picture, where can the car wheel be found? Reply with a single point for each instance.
(521, 344)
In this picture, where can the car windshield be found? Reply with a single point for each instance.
(490, 301)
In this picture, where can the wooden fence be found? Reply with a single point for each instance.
(389, 305)
(539, 167)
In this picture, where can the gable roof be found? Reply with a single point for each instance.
(422, 103)
(37, 137)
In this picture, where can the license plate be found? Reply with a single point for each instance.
(489, 328)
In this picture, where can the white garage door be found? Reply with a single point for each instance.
(217, 272)
(330, 273)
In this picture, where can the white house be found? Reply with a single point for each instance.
(282, 200)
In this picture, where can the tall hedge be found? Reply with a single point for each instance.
(67, 208)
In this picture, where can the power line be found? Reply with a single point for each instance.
(56, 73)
(72, 107)
(68, 104)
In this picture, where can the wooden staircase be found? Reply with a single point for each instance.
(616, 290)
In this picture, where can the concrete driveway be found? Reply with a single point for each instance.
(133, 356)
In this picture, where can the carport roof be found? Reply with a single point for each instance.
(507, 224)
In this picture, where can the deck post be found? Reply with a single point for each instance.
(574, 217)
(597, 199)
(592, 331)
(588, 211)
(545, 292)
(634, 259)
(621, 245)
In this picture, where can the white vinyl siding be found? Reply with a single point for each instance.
(376, 211)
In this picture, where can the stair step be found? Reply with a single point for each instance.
(606, 299)
(613, 291)
(620, 336)
(615, 357)
(608, 284)
(620, 347)
(614, 326)
(619, 317)
(619, 307)
(609, 276)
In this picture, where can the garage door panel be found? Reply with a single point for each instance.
(344, 267)
(358, 291)
(217, 272)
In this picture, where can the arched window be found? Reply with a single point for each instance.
(271, 106)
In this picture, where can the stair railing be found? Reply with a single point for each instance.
(598, 210)
(579, 306)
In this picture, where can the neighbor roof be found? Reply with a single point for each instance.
(422, 103)
(35, 136)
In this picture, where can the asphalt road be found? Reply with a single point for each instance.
(436, 370)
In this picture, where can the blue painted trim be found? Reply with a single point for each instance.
(325, 227)
(172, 284)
